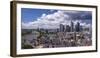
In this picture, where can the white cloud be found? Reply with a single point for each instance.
(86, 25)
(49, 21)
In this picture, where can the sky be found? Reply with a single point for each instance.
(51, 18)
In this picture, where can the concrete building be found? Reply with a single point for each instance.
(72, 26)
(77, 27)
(62, 28)
(68, 28)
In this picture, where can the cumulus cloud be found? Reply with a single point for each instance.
(51, 21)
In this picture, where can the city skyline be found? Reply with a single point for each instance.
(66, 28)
(51, 28)
(48, 18)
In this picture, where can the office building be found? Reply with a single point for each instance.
(72, 26)
(67, 29)
(77, 27)
(62, 28)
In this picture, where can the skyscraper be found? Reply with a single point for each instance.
(72, 26)
(67, 29)
(77, 27)
(62, 28)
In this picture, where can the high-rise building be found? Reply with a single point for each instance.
(77, 27)
(62, 28)
(72, 26)
(67, 29)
